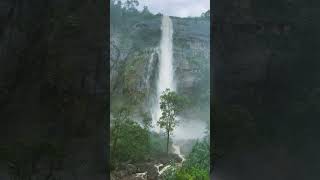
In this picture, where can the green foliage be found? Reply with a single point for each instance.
(134, 32)
(146, 120)
(131, 4)
(129, 141)
(132, 143)
(206, 14)
(119, 8)
(157, 144)
(193, 173)
(199, 156)
(196, 166)
(171, 173)
(170, 104)
(146, 11)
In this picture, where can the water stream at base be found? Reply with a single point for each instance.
(176, 149)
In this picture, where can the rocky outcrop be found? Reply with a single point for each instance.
(132, 45)
(145, 170)
(53, 89)
(134, 58)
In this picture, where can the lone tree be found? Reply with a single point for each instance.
(170, 104)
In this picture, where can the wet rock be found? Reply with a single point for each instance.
(141, 176)
(131, 169)
(177, 158)
(153, 173)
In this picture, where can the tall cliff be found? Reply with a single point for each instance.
(134, 47)
(266, 94)
(53, 89)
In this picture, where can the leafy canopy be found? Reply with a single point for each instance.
(128, 138)
(170, 104)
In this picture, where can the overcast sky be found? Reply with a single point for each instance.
(180, 8)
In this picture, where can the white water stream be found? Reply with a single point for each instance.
(176, 149)
(166, 73)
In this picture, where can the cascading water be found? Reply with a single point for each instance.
(150, 68)
(166, 73)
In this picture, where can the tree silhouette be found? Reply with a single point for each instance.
(170, 104)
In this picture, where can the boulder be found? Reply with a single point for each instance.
(131, 169)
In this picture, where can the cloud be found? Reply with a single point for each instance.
(180, 8)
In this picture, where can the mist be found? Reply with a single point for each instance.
(190, 129)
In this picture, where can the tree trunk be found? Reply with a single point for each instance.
(167, 142)
(114, 145)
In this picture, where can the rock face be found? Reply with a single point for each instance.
(53, 88)
(265, 73)
(191, 54)
(135, 55)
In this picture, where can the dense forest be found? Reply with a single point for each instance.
(138, 150)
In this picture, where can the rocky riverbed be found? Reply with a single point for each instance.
(148, 170)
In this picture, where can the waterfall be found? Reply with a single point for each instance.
(166, 73)
(150, 69)
(176, 149)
